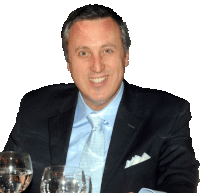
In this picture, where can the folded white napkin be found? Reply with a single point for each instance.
(137, 159)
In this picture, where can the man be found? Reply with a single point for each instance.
(146, 141)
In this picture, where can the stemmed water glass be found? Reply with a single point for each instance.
(62, 179)
(15, 171)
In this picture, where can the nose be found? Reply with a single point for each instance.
(97, 64)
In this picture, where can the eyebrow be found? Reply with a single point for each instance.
(81, 48)
(109, 45)
(104, 46)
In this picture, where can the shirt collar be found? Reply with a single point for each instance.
(108, 113)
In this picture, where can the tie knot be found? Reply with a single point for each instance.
(95, 120)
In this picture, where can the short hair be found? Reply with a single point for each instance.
(91, 12)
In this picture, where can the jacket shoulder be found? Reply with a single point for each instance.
(51, 91)
(148, 94)
(154, 101)
(50, 98)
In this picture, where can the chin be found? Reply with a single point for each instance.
(102, 101)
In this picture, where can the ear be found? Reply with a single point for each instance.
(127, 58)
(68, 66)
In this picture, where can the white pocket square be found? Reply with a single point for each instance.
(137, 159)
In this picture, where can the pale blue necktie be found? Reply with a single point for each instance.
(92, 158)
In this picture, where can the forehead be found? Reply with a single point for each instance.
(107, 22)
(95, 29)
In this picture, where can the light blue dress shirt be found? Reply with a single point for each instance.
(81, 129)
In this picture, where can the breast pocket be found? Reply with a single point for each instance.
(145, 166)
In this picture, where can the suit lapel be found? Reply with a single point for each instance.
(128, 122)
(60, 127)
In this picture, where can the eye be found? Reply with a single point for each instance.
(107, 51)
(83, 53)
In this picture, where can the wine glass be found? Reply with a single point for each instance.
(62, 179)
(15, 171)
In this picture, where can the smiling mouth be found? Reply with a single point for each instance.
(98, 80)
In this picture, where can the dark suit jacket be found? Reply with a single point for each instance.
(149, 121)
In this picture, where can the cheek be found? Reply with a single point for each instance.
(117, 66)
(78, 71)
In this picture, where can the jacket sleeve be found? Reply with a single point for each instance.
(13, 143)
(178, 168)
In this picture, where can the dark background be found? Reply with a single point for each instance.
(164, 53)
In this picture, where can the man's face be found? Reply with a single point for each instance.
(96, 60)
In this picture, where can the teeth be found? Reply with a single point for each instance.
(98, 80)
